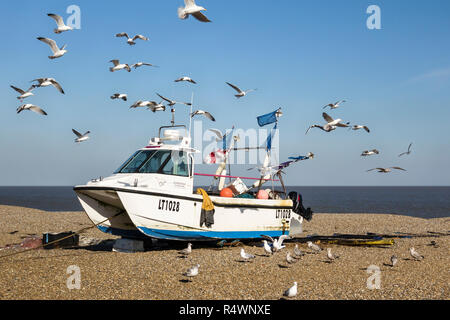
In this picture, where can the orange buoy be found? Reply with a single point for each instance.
(262, 194)
(226, 192)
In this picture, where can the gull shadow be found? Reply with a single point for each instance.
(185, 280)
(282, 266)
(262, 255)
(244, 261)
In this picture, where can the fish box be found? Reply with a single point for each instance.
(63, 240)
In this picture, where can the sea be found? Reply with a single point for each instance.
(422, 202)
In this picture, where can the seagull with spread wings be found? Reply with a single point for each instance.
(45, 82)
(369, 153)
(130, 41)
(191, 8)
(331, 125)
(386, 170)
(171, 103)
(241, 93)
(122, 96)
(187, 79)
(407, 152)
(140, 64)
(31, 107)
(357, 127)
(61, 27)
(81, 137)
(119, 66)
(57, 52)
(202, 112)
(24, 94)
(334, 105)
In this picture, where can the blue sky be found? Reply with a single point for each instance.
(300, 55)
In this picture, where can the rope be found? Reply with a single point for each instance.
(56, 241)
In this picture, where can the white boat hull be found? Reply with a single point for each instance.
(177, 217)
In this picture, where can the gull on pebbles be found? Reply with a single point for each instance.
(415, 254)
(192, 272)
(314, 247)
(186, 251)
(246, 256)
(291, 292)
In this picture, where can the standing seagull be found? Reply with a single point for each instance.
(57, 52)
(369, 153)
(415, 254)
(80, 137)
(330, 256)
(185, 79)
(267, 248)
(331, 124)
(60, 23)
(291, 292)
(394, 260)
(140, 64)
(205, 113)
(290, 259)
(335, 105)
(130, 41)
(118, 66)
(386, 170)
(122, 96)
(31, 107)
(314, 247)
(192, 272)
(190, 8)
(187, 251)
(407, 152)
(246, 256)
(240, 92)
(24, 94)
(297, 252)
(357, 127)
(45, 82)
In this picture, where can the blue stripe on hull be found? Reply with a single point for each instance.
(135, 234)
(206, 235)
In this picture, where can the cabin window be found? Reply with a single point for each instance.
(157, 161)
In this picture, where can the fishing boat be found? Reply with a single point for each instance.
(152, 195)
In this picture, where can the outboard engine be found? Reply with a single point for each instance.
(298, 207)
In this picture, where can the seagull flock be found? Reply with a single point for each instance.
(332, 124)
(276, 245)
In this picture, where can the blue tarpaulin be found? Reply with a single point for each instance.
(268, 118)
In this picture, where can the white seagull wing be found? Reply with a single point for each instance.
(51, 43)
(58, 19)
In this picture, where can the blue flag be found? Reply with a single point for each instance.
(268, 118)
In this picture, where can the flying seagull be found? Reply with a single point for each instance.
(24, 94)
(185, 252)
(130, 41)
(141, 103)
(119, 66)
(80, 137)
(407, 152)
(357, 127)
(314, 247)
(386, 170)
(45, 82)
(185, 79)
(334, 105)
(291, 292)
(140, 64)
(205, 113)
(190, 8)
(60, 23)
(173, 102)
(331, 124)
(240, 92)
(369, 153)
(31, 107)
(122, 96)
(156, 107)
(192, 272)
(415, 254)
(57, 52)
